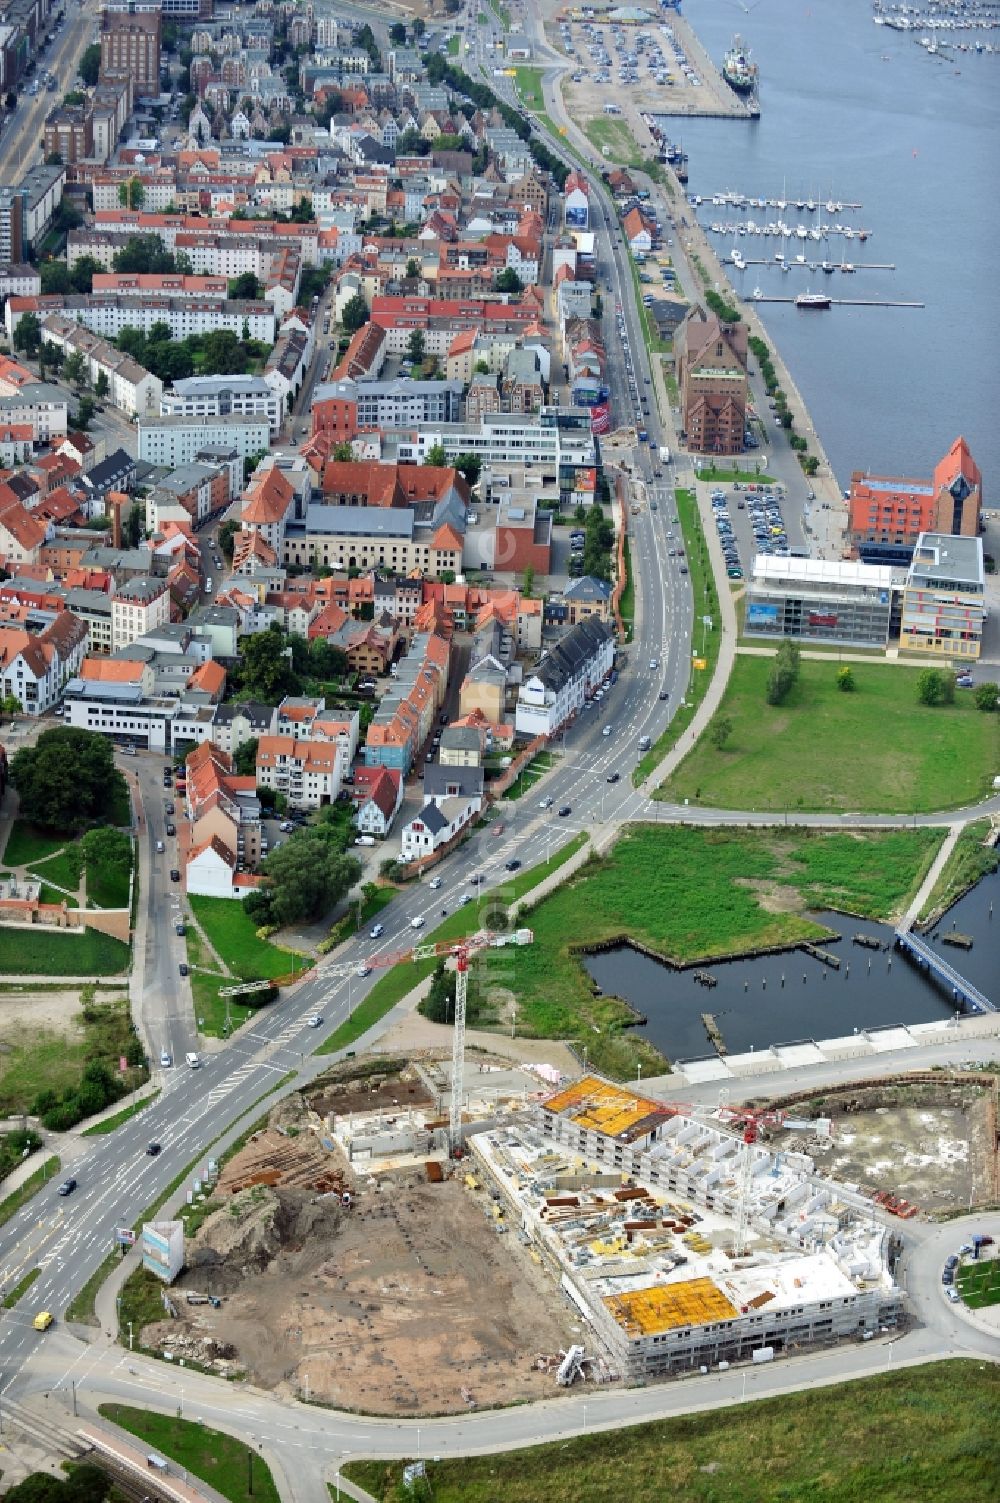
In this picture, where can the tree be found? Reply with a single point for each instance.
(245, 758)
(436, 456)
(10, 705)
(508, 281)
(56, 278)
(720, 730)
(131, 193)
(342, 453)
(265, 671)
(107, 848)
(419, 27)
(415, 346)
(144, 253)
(27, 335)
(245, 288)
(935, 687)
(102, 385)
(482, 367)
(355, 314)
(81, 273)
(439, 1004)
(784, 672)
(304, 878)
(397, 34)
(75, 369)
(67, 780)
(90, 65)
(324, 661)
(227, 535)
(528, 582)
(53, 159)
(845, 680)
(987, 696)
(469, 466)
(412, 269)
(222, 354)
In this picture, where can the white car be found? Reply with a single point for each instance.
(166, 1059)
(416, 923)
(314, 1020)
(546, 803)
(434, 882)
(377, 931)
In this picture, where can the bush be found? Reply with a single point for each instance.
(935, 687)
(987, 697)
(783, 674)
(845, 679)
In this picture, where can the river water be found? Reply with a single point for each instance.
(779, 999)
(916, 140)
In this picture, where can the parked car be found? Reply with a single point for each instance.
(183, 968)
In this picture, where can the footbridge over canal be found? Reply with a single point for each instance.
(966, 997)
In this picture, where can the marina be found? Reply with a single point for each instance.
(764, 1000)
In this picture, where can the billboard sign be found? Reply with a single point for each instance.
(762, 615)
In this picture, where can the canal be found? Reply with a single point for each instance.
(773, 999)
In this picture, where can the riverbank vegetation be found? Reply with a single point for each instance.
(969, 861)
(877, 749)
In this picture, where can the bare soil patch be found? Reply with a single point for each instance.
(409, 1301)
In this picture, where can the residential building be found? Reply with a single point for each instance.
(222, 396)
(377, 793)
(173, 441)
(887, 514)
(137, 607)
(944, 597)
(585, 597)
(130, 45)
(35, 668)
(42, 406)
(711, 359)
(555, 690)
(131, 387)
(307, 772)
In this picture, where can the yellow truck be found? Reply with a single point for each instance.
(43, 1320)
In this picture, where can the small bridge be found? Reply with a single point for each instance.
(967, 998)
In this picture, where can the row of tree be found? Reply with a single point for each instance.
(483, 97)
(218, 353)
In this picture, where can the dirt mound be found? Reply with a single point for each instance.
(252, 1228)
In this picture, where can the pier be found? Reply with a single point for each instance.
(967, 998)
(796, 265)
(847, 302)
(714, 1032)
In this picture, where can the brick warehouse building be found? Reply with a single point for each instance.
(888, 513)
(712, 376)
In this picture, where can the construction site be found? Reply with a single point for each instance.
(386, 1282)
(920, 1144)
(682, 1240)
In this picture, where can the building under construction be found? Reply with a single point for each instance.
(681, 1243)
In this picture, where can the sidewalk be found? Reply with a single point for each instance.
(927, 885)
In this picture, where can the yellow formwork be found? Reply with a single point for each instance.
(602, 1107)
(664, 1307)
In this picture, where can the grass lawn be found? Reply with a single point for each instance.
(622, 146)
(397, 983)
(224, 1463)
(454, 46)
(233, 935)
(979, 1283)
(529, 775)
(627, 605)
(49, 894)
(350, 922)
(27, 844)
(692, 893)
(528, 82)
(722, 476)
(107, 886)
(673, 390)
(876, 749)
(64, 869)
(101, 1129)
(706, 639)
(55, 952)
(897, 1438)
(37, 1059)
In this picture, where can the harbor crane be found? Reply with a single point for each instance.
(461, 951)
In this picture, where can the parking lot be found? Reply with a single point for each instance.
(751, 520)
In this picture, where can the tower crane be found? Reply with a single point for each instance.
(461, 950)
